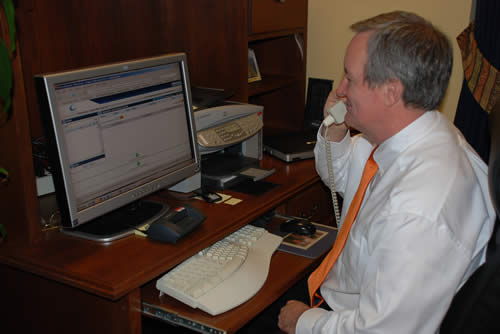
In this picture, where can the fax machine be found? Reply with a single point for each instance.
(230, 143)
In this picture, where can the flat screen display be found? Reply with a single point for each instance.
(117, 133)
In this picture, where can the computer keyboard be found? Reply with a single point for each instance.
(224, 275)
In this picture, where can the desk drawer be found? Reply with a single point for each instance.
(273, 15)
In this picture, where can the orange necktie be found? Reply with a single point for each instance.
(318, 276)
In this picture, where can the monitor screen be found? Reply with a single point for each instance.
(116, 133)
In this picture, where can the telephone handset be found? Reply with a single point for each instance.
(336, 114)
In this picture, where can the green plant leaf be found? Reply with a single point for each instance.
(10, 13)
(5, 78)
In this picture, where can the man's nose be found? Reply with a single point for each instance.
(341, 90)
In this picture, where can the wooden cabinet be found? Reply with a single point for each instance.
(215, 34)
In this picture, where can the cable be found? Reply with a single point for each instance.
(335, 203)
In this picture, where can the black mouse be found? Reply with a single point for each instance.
(298, 227)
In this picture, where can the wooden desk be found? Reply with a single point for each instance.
(63, 283)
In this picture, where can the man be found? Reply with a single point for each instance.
(426, 216)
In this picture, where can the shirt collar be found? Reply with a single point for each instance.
(390, 149)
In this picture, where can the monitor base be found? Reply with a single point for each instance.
(121, 222)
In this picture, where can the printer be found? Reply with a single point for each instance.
(230, 141)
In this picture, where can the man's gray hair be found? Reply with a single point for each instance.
(406, 47)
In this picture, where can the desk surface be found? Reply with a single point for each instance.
(118, 269)
(113, 270)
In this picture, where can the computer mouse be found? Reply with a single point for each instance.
(296, 226)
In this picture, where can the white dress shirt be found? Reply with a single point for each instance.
(421, 231)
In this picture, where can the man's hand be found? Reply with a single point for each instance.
(289, 315)
(331, 100)
(336, 132)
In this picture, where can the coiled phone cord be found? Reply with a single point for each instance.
(333, 191)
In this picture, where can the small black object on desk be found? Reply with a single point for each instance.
(296, 226)
(208, 196)
(175, 224)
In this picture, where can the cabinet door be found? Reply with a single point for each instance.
(272, 15)
(313, 203)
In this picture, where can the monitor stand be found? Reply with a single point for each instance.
(121, 222)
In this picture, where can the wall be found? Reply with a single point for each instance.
(329, 34)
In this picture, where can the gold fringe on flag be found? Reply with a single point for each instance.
(483, 79)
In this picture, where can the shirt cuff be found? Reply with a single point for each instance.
(306, 321)
(339, 148)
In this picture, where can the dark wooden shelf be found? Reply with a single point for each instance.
(274, 34)
(269, 83)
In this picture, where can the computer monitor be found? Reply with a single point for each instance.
(116, 133)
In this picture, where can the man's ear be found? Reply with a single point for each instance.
(393, 92)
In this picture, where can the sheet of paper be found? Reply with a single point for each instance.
(233, 201)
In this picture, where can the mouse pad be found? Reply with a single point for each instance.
(308, 246)
(254, 188)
